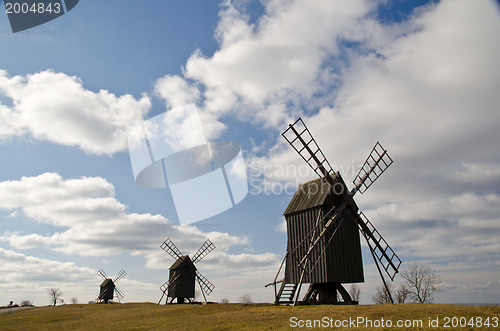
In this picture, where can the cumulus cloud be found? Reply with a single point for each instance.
(266, 70)
(28, 277)
(56, 107)
(176, 91)
(18, 268)
(93, 222)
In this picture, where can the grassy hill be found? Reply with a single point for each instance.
(148, 316)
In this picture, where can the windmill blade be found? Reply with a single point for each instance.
(164, 287)
(120, 275)
(119, 293)
(102, 274)
(169, 283)
(376, 163)
(205, 284)
(169, 247)
(299, 137)
(206, 248)
(102, 295)
(379, 247)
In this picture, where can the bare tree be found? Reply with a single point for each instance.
(54, 294)
(26, 303)
(422, 282)
(382, 296)
(401, 294)
(245, 298)
(74, 300)
(224, 300)
(355, 292)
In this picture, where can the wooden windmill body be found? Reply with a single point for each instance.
(108, 289)
(183, 274)
(323, 227)
(341, 261)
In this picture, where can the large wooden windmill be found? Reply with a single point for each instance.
(323, 225)
(108, 287)
(183, 274)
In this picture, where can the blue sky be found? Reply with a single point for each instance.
(421, 77)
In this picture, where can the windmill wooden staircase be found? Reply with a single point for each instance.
(286, 294)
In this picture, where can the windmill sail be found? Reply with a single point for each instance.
(381, 249)
(203, 251)
(206, 285)
(376, 163)
(102, 274)
(169, 247)
(120, 275)
(299, 137)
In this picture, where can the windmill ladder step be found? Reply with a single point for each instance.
(286, 294)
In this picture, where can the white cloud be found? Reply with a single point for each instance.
(176, 91)
(56, 107)
(281, 57)
(25, 277)
(26, 242)
(18, 268)
(93, 223)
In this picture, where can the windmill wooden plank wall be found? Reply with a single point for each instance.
(182, 277)
(342, 260)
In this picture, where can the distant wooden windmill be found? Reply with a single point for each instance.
(183, 274)
(323, 225)
(108, 287)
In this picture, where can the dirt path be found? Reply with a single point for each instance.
(8, 310)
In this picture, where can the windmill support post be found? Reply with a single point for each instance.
(379, 271)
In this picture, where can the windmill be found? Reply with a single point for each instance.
(108, 287)
(183, 274)
(323, 226)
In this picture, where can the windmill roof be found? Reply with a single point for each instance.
(313, 193)
(181, 262)
(308, 195)
(106, 282)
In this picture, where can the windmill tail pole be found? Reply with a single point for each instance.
(201, 289)
(161, 297)
(379, 271)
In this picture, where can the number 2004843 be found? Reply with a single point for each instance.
(463, 322)
(34, 8)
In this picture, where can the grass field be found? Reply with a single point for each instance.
(148, 316)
